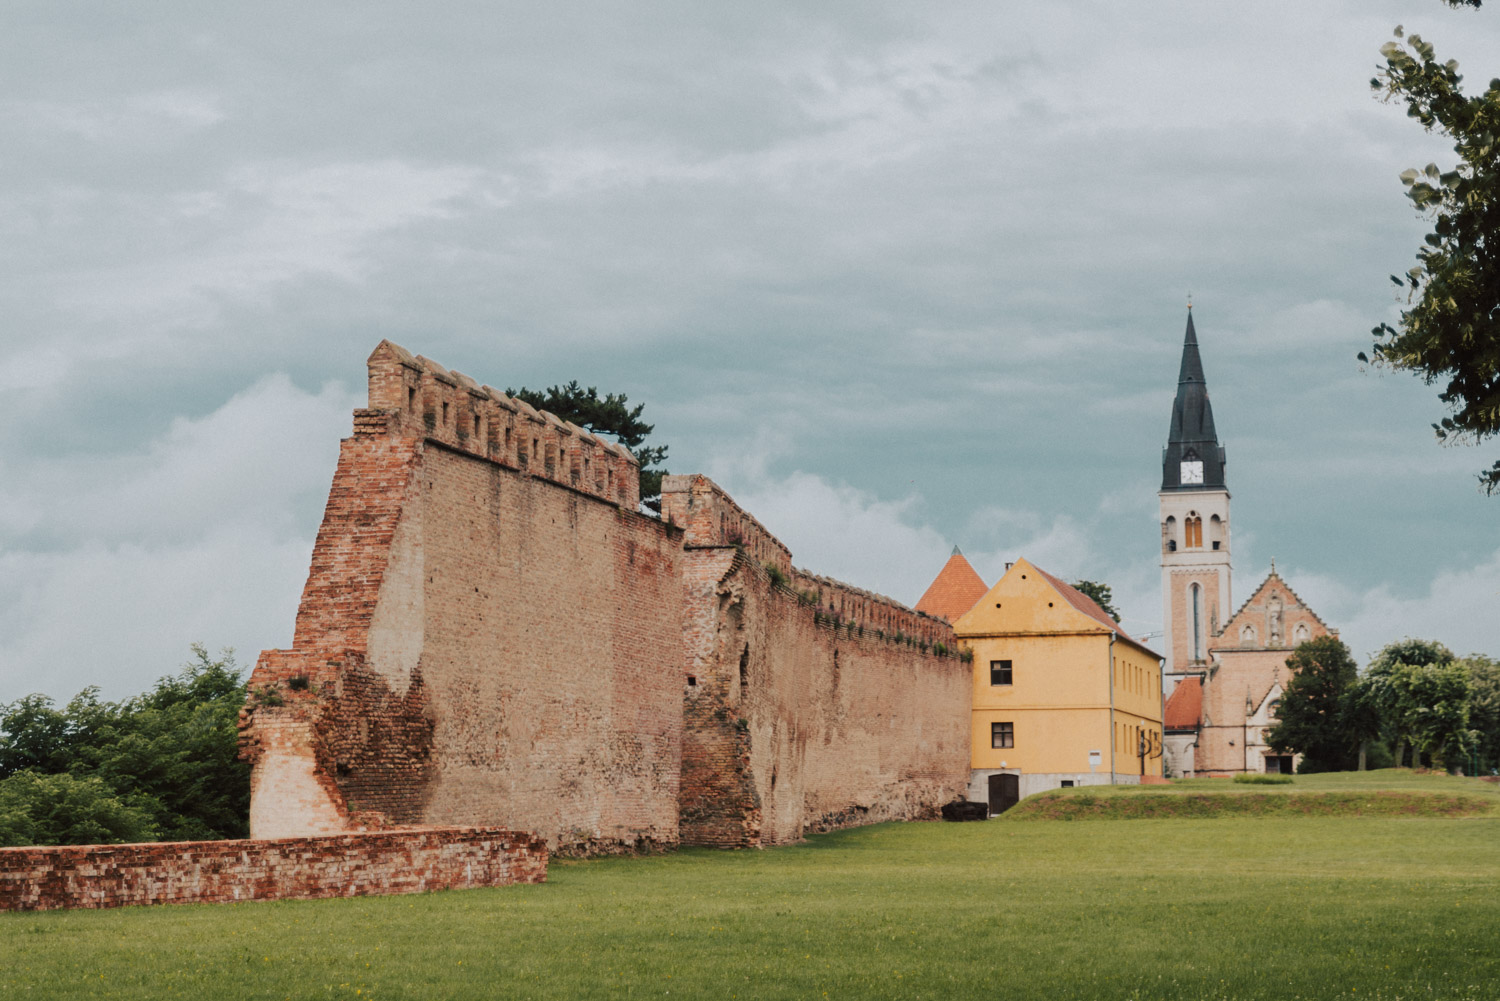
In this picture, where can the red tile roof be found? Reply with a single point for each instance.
(954, 590)
(1084, 603)
(1185, 706)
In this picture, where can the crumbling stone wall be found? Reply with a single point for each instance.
(809, 704)
(493, 634)
(194, 872)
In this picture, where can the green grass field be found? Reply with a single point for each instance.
(1274, 908)
(1387, 793)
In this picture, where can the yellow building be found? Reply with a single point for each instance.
(1062, 696)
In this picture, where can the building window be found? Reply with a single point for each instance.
(1195, 597)
(1002, 735)
(1194, 531)
(1000, 672)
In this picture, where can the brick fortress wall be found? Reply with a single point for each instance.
(492, 634)
(350, 865)
(809, 704)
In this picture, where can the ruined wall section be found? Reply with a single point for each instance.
(552, 634)
(490, 633)
(197, 872)
(808, 704)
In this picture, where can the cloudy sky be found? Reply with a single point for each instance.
(898, 275)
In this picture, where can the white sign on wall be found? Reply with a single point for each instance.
(1095, 759)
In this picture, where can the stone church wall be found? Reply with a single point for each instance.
(491, 634)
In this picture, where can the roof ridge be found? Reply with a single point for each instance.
(1073, 596)
(1290, 590)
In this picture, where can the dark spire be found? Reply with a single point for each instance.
(1192, 437)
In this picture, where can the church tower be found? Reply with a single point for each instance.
(1194, 514)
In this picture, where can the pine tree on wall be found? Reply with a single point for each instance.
(610, 414)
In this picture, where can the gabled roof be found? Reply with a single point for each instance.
(1184, 710)
(1275, 577)
(1088, 606)
(954, 590)
(1039, 592)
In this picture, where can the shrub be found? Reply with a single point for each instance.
(62, 809)
(1257, 779)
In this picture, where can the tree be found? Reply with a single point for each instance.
(1313, 719)
(1484, 708)
(1390, 695)
(171, 752)
(1101, 594)
(64, 810)
(610, 414)
(1451, 330)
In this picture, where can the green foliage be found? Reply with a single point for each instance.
(1102, 595)
(1423, 696)
(62, 809)
(1484, 709)
(171, 752)
(1450, 331)
(1313, 719)
(1259, 779)
(610, 414)
(778, 579)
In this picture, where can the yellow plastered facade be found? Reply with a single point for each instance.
(1076, 686)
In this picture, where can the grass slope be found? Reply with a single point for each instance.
(1311, 907)
(1388, 793)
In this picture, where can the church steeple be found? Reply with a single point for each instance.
(1193, 458)
(1194, 506)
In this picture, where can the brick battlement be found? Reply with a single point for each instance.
(842, 604)
(710, 518)
(412, 396)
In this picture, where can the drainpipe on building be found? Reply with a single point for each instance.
(1113, 738)
(1161, 691)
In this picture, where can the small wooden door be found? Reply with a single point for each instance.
(1005, 792)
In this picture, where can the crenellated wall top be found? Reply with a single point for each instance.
(415, 396)
(710, 517)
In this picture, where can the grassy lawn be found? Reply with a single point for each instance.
(1275, 908)
(1390, 793)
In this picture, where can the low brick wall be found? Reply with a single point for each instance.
(342, 865)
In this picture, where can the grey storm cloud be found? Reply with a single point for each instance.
(901, 277)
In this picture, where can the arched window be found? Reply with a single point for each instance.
(1247, 635)
(1195, 598)
(1216, 532)
(1301, 634)
(1169, 534)
(1194, 530)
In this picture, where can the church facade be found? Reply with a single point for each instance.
(1225, 668)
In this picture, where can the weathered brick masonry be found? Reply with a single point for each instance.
(348, 865)
(809, 704)
(491, 633)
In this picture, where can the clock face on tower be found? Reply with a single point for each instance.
(1192, 471)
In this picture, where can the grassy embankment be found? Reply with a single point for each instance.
(1387, 793)
(1274, 908)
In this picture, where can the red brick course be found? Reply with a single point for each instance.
(190, 872)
